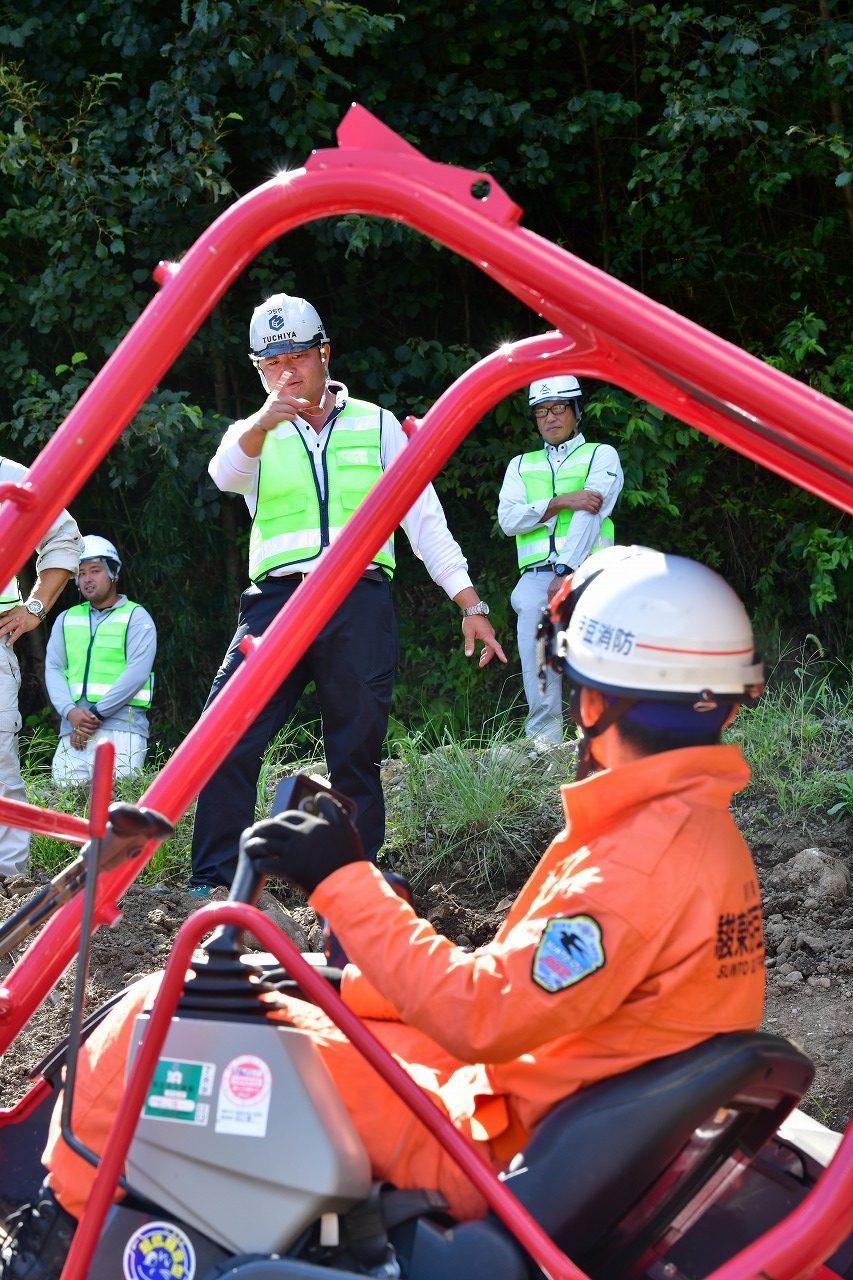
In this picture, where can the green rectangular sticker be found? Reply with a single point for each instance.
(177, 1091)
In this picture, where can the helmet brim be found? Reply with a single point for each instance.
(723, 691)
(569, 398)
(287, 347)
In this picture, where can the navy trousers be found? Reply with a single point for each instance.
(353, 662)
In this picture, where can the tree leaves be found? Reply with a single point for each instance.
(699, 152)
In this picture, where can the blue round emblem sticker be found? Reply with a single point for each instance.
(159, 1251)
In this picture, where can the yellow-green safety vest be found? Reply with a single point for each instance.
(11, 595)
(93, 662)
(292, 522)
(540, 481)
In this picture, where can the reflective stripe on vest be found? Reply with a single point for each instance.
(540, 482)
(11, 595)
(292, 522)
(93, 663)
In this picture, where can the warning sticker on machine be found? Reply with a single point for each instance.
(243, 1102)
(178, 1089)
(159, 1249)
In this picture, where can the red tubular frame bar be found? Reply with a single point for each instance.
(46, 822)
(605, 330)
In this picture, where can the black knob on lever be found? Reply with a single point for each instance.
(249, 877)
(133, 820)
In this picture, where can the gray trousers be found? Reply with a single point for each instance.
(545, 710)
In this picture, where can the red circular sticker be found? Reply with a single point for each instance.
(247, 1080)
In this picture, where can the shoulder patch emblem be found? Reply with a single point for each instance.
(570, 949)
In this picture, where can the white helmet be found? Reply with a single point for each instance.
(641, 624)
(563, 386)
(282, 325)
(98, 548)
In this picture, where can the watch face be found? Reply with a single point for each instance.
(35, 607)
(561, 570)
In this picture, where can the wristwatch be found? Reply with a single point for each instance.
(474, 609)
(560, 570)
(36, 608)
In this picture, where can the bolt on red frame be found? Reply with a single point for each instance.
(604, 329)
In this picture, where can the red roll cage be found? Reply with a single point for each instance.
(603, 329)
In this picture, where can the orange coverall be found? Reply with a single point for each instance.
(638, 934)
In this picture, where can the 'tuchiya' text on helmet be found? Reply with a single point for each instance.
(284, 324)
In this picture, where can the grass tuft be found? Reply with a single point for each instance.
(479, 808)
(798, 739)
(484, 806)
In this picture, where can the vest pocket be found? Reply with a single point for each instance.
(285, 503)
(351, 498)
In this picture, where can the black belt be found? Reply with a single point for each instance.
(372, 575)
(539, 568)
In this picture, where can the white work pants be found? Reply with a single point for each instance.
(14, 843)
(71, 764)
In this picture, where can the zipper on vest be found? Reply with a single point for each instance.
(92, 634)
(568, 458)
(322, 501)
(552, 537)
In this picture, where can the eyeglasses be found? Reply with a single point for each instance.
(558, 411)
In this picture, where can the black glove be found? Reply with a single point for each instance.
(304, 845)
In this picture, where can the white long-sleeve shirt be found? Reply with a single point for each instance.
(425, 525)
(516, 515)
(59, 548)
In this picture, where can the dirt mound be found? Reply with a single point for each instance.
(808, 911)
(808, 923)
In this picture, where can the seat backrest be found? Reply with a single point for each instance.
(609, 1168)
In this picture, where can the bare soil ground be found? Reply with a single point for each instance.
(806, 879)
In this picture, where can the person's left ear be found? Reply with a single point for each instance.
(592, 705)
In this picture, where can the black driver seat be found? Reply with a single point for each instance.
(609, 1168)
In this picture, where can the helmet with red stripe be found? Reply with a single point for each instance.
(666, 639)
(642, 623)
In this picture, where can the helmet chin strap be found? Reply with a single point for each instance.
(587, 763)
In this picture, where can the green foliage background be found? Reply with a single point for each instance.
(697, 151)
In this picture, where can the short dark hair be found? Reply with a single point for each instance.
(651, 725)
(650, 742)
